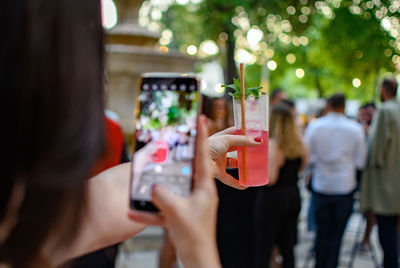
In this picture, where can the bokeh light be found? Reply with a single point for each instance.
(164, 49)
(182, 2)
(269, 53)
(109, 14)
(300, 73)
(209, 48)
(291, 10)
(272, 65)
(291, 58)
(356, 82)
(219, 88)
(244, 56)
(166, 37)
(385, 23)
(254, 36)
(191, 50)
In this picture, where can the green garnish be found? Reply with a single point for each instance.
(255, 91)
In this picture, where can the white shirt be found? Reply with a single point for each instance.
(337, 147)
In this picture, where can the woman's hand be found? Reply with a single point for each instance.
(221, 143)
(191, 221)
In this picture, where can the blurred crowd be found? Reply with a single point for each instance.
(342, 160)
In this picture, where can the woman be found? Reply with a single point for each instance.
(51, 73)
(216, 110)
(281, 199)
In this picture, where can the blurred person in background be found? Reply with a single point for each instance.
(365, 115)
(52, 74)
(291, 105)
(308, 174)
(288, 156)
(216, 110)
(277, 95)
(300, 124)
(380, 188)
(337, 148)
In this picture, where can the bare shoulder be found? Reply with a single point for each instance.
(273, 143)
(275, 150)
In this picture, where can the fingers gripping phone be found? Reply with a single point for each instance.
(165, 130)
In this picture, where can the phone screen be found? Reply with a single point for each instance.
(165, 136)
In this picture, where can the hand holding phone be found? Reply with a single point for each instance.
(191, 220)
(166, 117)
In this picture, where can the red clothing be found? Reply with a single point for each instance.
(114, 147)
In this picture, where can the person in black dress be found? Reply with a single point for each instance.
(280, 199)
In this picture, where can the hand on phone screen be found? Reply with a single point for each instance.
(142, 156)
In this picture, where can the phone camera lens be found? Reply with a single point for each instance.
(182, 87)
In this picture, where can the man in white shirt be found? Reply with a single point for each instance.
(337, 148)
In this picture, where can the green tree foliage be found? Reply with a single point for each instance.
(332, 41)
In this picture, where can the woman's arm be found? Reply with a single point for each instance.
(105, 222)
(275, 161)
(304, 158)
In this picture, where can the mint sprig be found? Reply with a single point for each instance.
(255, 91)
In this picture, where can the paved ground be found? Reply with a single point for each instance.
(142, 251)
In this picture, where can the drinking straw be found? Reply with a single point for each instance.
(243, 117)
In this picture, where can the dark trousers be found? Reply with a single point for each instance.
(332, 213)
(387, 230)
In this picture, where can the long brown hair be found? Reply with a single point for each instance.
(283, 129)
(51, 74)
(209, 109)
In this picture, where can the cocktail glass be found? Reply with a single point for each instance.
(255, 171)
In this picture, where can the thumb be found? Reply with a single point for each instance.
(202, 167)
(230, 181)
(164, 200)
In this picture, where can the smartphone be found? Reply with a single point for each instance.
(165, 136)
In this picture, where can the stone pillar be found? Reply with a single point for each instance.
(128, 10)
(131, 51)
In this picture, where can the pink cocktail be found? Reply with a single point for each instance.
(256, 161)
(160, 156)
(255, 172)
